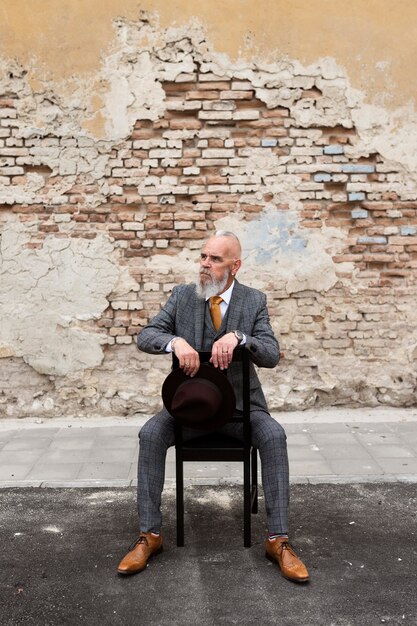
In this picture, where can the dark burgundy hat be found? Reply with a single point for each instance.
(205, 402)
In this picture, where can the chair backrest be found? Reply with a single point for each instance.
(240, 355)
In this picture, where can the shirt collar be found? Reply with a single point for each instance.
(226, 295)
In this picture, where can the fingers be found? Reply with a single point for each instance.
(190, 364)
(188, 358)
(222, 352)
(221, 355)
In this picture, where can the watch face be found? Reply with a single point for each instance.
(238, 335)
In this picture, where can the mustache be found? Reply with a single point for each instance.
(205, 272)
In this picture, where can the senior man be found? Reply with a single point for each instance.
(216, 314)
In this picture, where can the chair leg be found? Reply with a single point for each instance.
(254, 459)
(247, 501)
(179, 499)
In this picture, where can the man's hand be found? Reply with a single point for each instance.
(189, 359)
(222, 351)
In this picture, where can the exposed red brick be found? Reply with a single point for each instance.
(161, 124)
(82, 234)
(202, 95)
(172, 88)
(143, 133)
(208, 85)
(48, 228)
(185, 124)
(122, 234)
(194, 180)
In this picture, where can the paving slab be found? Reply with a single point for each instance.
(355, 467)
(103, 470)
(53, 471)
(398, 466)
(335, 444)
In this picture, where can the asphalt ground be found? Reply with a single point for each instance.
(61, 547)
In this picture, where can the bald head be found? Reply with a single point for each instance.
(219, 263)
(232, 242)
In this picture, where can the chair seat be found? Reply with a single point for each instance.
(213, 447)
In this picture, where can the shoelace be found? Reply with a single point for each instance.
(285, 545)
(141, 539)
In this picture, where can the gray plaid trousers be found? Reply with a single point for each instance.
(157, 435)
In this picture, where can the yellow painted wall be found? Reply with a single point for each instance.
(376, 40)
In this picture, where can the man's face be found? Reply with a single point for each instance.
(219, 262)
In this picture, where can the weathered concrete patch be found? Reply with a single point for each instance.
(46, 294)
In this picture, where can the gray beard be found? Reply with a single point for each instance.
(214, 288)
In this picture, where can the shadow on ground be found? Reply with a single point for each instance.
(60, 549)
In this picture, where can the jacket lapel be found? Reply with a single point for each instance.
(199, 312)
(235, 307)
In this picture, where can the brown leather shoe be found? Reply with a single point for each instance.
(139, 553)
(291, 566)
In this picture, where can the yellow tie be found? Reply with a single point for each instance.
(215, 312)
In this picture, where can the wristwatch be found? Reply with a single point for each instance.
(238, 335)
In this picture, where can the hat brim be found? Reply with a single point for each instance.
(215, 376)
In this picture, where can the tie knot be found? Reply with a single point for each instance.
(216, 300)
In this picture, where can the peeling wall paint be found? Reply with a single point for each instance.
(275, 246)
(110, 179)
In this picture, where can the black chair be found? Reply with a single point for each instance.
(220, 447)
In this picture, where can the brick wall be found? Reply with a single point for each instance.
(164, 189)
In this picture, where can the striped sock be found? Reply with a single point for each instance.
(273, 536)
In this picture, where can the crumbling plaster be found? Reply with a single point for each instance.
(126, 84)
(127, 87)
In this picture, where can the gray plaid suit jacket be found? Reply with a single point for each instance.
(183, 316)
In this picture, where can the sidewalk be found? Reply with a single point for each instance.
(334, 445)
